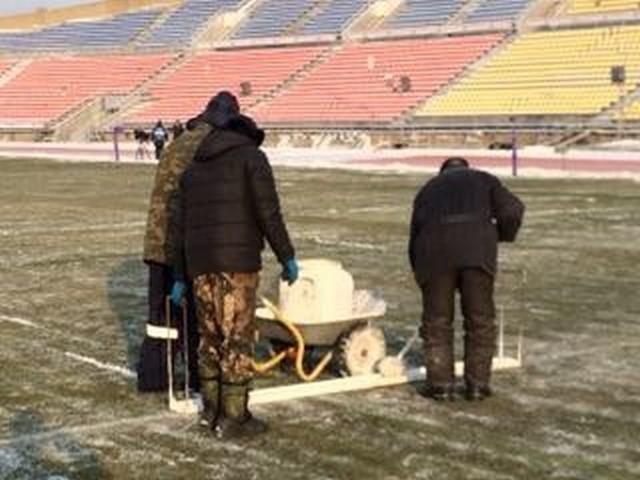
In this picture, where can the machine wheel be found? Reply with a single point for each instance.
(359, 350)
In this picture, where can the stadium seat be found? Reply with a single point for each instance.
(375, 81)
(333, 17)
(249, 73)
(178, 28)
(109, 33)
(632, 112)
(50, 87)
(273, 18)
(547, 73)
(496, 10)
(418, 13)
(579, 7)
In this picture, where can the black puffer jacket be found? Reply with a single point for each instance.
(458, 219)
(229, 204)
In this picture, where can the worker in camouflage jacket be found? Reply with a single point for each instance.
(228, 207)
(458, 219)
(158, 255)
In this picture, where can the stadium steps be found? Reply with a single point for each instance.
(216, 25)
(75, 124)
(145, 35)
(302, 72)
(461, 15)
(546, 9)
(567, 140)
(14, 70)
(372, 17)
(217, 29)
(225, 24)
(616, 110)
(409, 115)
(297, 24)
(128, 103)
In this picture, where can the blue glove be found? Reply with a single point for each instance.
(177, 292)
(290, 271)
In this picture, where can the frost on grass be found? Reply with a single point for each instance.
(70, 260)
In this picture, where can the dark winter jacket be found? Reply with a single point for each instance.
(229, 204)
(458, 219)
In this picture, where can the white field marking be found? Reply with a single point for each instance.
(102, 365)
(564, 211)
(72, 229)
(343, 243)
(18, 321)
(91, 428)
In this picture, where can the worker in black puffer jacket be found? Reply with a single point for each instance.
(228, 207)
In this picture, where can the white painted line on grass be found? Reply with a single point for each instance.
(18, 321)
(90, 428)
(102, 365)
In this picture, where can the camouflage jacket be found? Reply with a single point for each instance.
(158, 241)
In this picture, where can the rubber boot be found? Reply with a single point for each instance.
(236, 420)
(210, 391)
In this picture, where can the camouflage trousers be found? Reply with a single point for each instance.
(225, 304)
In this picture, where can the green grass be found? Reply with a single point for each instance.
(70, 250)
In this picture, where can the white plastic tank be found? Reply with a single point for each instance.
(323, 293)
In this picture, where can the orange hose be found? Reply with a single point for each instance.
(307, 377)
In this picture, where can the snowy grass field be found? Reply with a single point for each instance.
(73, 287)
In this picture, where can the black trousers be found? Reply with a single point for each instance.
(159, 148)
(476, 295)
(152, 366)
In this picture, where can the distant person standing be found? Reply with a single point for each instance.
(458, 219)
(177, 129)
(159, 135)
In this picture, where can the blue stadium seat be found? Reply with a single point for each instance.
(114, 32)
(421, 13)
(496, 10)
(184, 21)
(333, 17)
(273, 17)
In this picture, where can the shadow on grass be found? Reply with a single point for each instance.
(127, 294)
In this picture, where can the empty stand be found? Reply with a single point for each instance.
(333, 16)
(274, 17)
(249, 74)
(4, 66)
(50, 87)
(374, 82)
(547, 73)
(420, 13)
(579, 7)
(497, 10)
(113, 32)
(632, 112)
(184, 21)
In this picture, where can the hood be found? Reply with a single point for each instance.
(222, 109)
(240, 132)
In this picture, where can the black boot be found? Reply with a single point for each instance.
(476, 392)
(440, 393)
(236, 420)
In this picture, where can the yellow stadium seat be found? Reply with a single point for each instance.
(547, 73)
(580, 7)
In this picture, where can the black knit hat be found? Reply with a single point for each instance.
(454, 163)
(221, 110)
